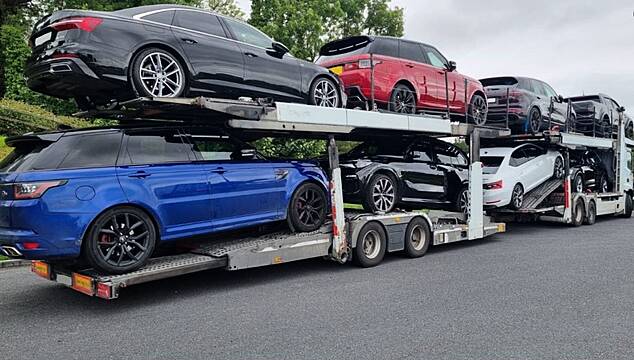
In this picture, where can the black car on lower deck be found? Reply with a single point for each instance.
(531, 105)
(100, 58)
(590, 171)
(416, 173)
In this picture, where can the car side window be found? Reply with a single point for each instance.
(199, 21)
(518, 157)
(422, 153)
(161, 17)
(532, 152)
(549, 90)
(449, 156)
(156, 147)
(248, 34)
(526, 85)
(213, 148)
(80, 151)
(435, 57)
(412, 51)
(387, 47)
(538, 88)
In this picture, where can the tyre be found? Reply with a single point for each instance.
(402, 100)
(324, 92)
(558, 169)
(157, 73)
(120, 240)
(478, 109)
(517, 197)
(591, 217)
(628, 206)
(308, 208)
(577, 184)
(534, 120)
(461, 204)
(381, 194)
(371, 245)
(603, 185)
(579, 213)
(417, 238)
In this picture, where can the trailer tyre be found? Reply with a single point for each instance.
(417, 238)
(371, 245)
(120, 240)
(591, 217)
(579, 213)
(628, 206)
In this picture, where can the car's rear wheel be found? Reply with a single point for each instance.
(308, 208)
(534, 120)
(120, 240)
(606, 128)
(559, 170)
(462, 201)
(478, 110)
(324, 92)
(402, 100)
(577, 184)
(381, 195)
(158, 73)
(517, 197)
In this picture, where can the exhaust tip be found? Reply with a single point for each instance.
(10, 251)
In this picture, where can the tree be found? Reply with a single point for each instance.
(225, 7)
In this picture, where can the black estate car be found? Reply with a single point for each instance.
(533, 105)
(386, 174)
(101, 58)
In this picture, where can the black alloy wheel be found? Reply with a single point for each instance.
(604, 186)
(517, 197)
(308, 208)
(120, 240)
(577, 184)
(403, 100)
(534, 120)
(559, 170)
(478, 110)
(324, 92)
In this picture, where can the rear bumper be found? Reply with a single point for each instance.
(19, 240)
(497, 116)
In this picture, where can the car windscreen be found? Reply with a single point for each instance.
(372, 148)
(491, 164)
(343, 48)
(499, 81)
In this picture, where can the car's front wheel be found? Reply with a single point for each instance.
(158, 73)
(308, 208)
(577, 184)
(324, 92)
(120, 240)
(559, 169)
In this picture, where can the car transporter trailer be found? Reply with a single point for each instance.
(335, 240)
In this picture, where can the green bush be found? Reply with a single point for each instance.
(17, 118)
(4, 149)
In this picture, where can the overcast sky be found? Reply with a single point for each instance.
(577, 46)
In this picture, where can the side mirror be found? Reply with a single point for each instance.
(621, 109)
(561, 98)
(452, 66)
(279, 48)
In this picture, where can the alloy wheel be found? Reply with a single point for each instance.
(404, 101)
(518, 197)
(604, 184)
(310, 206)
(371, 244)
(123, 240)
(578, 184)
(161, 75)
(463, 202)
(559, 169)
(383, 195)
(325, 94)
(535, 120)
(479, 110)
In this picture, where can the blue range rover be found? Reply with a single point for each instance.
(109, 196)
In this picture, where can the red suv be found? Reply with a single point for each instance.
(408, 77)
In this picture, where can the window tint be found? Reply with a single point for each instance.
(532, 152)
(449, 155)
(163, 17)
(157, 147)
(538, 88)
(549, 91)
(23, 156)
(491, 164)
(98, 150)
(422, 152)
(374, 148)
(435, 57)
(499, 81)
(387, 47)
(199, 21)
(525, 84)
(412, 51)
(213, 148)
(248, 34)
(518, 157)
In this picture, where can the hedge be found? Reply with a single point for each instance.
(17, 118)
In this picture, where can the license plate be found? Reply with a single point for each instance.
(337, 70)
(492, 100)
(42, 269)
(42, 39)
(83, 284)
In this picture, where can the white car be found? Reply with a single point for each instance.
(509, 173)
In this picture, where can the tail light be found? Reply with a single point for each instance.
(361, 64)
(34, 190)
(88, 24)
(494, 185)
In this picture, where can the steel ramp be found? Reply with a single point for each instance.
(536, 196)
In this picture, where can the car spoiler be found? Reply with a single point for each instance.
(346, 45)
(16, 140)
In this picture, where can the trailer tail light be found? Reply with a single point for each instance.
(35, 190)
(104, 291)
(41, 268)
(88, 24)
(494, 185)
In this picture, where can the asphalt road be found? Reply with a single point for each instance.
(538, 292)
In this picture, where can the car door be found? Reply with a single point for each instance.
(157, 170)
(216, 60)
(560, 109)
(268, 73)
(422, 178)
(454, 166)
(243, 186)
(538, 166)
(517, 171)
(440, 66)
(421, 74)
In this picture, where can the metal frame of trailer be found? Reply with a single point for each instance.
(337, 239)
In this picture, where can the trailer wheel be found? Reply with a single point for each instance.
(371, 245)
(579, 213)
(417, 238)
(591, 217)
(628, 206)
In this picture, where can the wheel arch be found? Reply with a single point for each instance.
(357, 230)
(409, 84)
(328, 76)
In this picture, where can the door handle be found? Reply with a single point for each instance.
(409, 66)
(190, 41)
(251, 55)
(139, 175)
(433, 167)
(219, 170)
